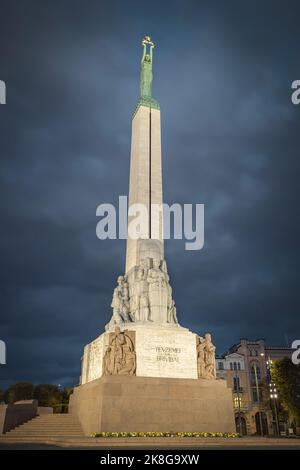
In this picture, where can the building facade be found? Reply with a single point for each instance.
(245, 367)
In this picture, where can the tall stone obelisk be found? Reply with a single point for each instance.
(144, 293)
(146, 372)
(145, 185)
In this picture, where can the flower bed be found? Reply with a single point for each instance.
(165, 434)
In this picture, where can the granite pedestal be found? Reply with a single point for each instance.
(129, 403)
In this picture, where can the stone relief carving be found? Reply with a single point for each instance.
(142, 290)
(206, 357)
(172, 313)
(158, 293)
(144, 295)
(200, 357)
(120, 357)
(120, 303)
(209, 355)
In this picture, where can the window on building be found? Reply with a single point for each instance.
(239, 366)
(236, 384)
(255, 395)
(237, 402)
(220, 366)
(231, 366)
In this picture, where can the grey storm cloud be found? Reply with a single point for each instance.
(230, 136)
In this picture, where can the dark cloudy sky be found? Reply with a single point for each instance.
(222, 74)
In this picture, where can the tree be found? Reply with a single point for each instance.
(47, 395)
(19, 391)
(66, 394)
(286, 376)
(1, 395)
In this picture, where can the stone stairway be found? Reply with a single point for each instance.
(46, 427)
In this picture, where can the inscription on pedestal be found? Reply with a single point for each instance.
(168, 354)
(165, 353)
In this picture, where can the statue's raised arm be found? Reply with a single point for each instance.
(147, 41)
(146, 68)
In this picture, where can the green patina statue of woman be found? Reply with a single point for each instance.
(146, 68)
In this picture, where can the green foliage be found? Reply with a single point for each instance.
(66, 394)
(1, 395)
(19, 391)
(286, 376)
(47, 394)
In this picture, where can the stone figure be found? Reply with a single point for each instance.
(144, 308)
(165, 270)
(120, 303)
(167, 279)
(120, 358)
(129, 359)
(125, 308)
(117, 302)
(135, 296)
(145, 295)
(158, 293)
(201, 357)
(206, 361)
(172, 313)
(108, 363)
(134, 306)
(209, 358)
(143, 290)
(146, 68)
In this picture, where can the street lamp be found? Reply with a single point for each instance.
(273, 396)
(258, 397)
(237, 384)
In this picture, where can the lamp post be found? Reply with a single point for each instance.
(273, 396)
(237, 384)
(258, 398)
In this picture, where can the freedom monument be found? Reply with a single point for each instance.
(146, 372)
